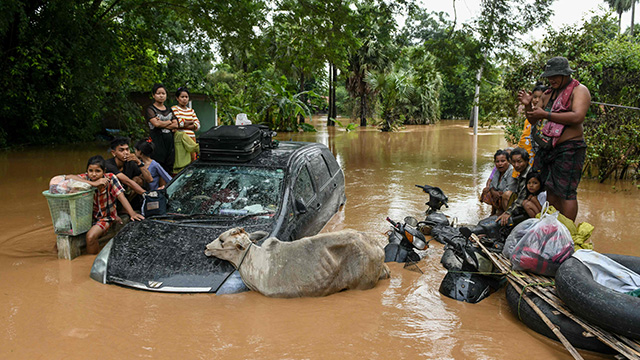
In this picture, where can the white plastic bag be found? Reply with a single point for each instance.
(60, 185)
(516, 234)
(544, 247)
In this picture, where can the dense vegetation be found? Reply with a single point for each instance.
(69, 67)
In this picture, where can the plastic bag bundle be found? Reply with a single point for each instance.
(60, 185)
(516, 234)
(545, 246)
(579, 233)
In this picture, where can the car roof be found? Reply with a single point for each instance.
(279, 157)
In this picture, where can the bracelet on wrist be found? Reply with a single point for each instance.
(549, 115)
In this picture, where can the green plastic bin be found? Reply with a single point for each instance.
(70, 213)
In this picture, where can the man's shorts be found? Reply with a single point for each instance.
(103, 223)
(561, 167)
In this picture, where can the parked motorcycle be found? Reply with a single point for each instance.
(467, 265)
(437, 199)
(404, 240)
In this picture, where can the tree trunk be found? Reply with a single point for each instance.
(476, 101)
(633, 14)
(334, 108)
(302, 97)
(619, 23)
(330, 121)
(363, 105)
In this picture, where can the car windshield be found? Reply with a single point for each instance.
(226, 191)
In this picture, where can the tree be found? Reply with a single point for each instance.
(409, 93)
(620, 7)
(498, 26)
(375, 37)
(455, 53)
(68, 64)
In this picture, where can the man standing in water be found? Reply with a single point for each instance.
(557, 128)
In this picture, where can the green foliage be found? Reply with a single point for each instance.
(614, 142)
(493, 107)
(344, 103)
(410, 92)
(263, 96)
(307, 127)
(65, 61)
(372, 53)
(456, 54)
(620, 7)
(348, 128)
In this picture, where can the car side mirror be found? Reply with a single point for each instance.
(301, 208)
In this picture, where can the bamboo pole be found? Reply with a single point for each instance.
(546, 320)
(625, 346)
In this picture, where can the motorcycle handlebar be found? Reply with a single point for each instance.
(392, 222)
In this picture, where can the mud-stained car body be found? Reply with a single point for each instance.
(290, 192)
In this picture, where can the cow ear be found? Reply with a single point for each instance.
(239, 247)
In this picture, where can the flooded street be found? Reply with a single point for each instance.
(51, 309)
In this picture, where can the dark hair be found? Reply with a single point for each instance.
(97, 160)
(181, 90)
(537, 175)
(145, 146)
(119, 141)
(539, 87)
(501, 152)
(522, 152)
(155, 88)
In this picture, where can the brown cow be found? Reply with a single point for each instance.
(313, 266)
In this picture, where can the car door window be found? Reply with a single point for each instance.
(331, 162)
(320, 170)
(303, 188)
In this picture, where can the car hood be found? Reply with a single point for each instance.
(169, 256)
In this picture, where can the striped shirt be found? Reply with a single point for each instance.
(104, 200)
(186, 115)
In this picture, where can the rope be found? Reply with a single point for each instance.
(244, 256)
(524, 288)
(613, 105)
(477, 272)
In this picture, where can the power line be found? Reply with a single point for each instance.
(620, 106)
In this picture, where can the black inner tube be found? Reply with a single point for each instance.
(609, 309)
(569, 328)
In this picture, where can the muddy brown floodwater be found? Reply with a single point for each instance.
(51, 309)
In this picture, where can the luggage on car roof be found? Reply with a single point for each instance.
(235, 143)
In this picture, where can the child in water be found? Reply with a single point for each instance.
(144, 150)
(104, 200)
(535, 194)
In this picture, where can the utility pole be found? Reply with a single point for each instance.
(476, 101)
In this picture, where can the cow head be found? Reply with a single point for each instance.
(230, 245)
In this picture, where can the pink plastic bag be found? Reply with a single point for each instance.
(545, 246)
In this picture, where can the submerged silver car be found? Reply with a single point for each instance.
(290, 191)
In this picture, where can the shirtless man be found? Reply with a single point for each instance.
(561, 165)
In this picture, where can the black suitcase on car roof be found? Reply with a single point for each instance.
(232, 143)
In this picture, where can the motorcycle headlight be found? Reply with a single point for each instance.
(415, 241)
